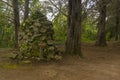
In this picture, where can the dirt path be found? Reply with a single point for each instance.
(98, 64)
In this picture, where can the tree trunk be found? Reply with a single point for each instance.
(73, 43)
(117, 27)
(26, 13)
(101, 35)
(16, 21)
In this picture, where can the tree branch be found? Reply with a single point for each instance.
(6, 3)
(58, 8)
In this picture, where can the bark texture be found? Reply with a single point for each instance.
(26, 13)
(117, 17)
(73, 44)
(101, 35)
(16, 21)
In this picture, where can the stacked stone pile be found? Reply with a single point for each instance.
(36, 38)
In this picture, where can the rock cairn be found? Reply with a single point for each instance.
(36, 39)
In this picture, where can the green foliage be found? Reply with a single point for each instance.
(6, 30)
(36, 38)
(89, 30)
(60, 27)
(7, 37)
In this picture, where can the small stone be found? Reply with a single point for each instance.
(42, 44)
(26, 61)
(50, 42)
(51, 48)
(43, 30)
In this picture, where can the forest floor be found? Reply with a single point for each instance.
(99, 63)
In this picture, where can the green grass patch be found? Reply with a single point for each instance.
(9, 66)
